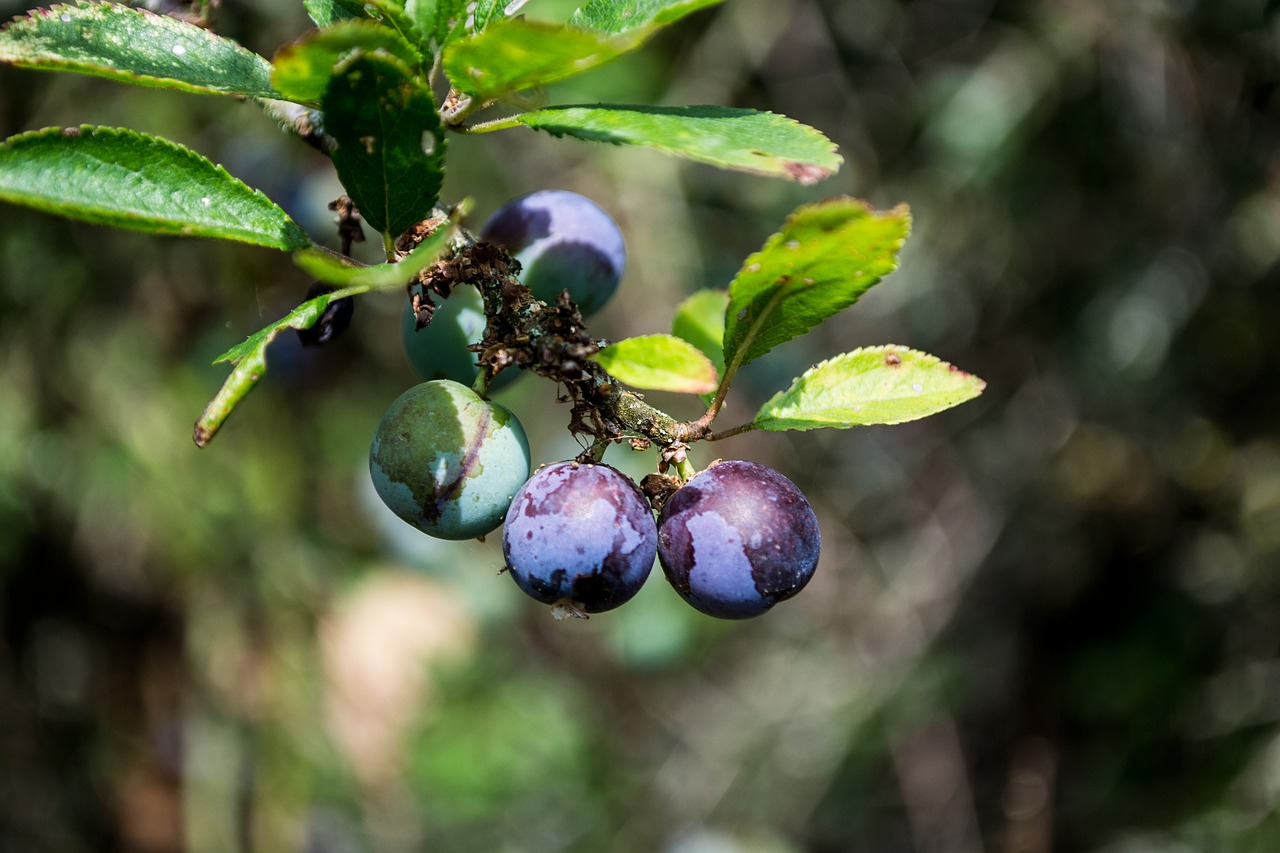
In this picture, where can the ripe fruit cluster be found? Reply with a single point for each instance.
(733, 540)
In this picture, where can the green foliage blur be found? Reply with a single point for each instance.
(1046, 620)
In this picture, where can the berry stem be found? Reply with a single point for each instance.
(685, 469)
(729, 433)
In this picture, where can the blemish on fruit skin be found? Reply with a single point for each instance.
(581, 532)
(447, 462)
(737, 539)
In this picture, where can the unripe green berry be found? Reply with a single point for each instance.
(447, 461)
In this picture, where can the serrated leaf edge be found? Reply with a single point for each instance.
(188, 153)
(887, 350)
(805, 174)
(779, 238)
(121, 75)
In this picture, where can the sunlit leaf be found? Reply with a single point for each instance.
(619, 16)
(826, 256)
(659, 363)
(731, 138)
(874, 385)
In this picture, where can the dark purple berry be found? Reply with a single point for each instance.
(563, 241)
(737, 539)
(580, 533)
(333, 321)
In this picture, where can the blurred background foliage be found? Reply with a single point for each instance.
(1046, 620)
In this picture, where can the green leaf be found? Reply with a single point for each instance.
(486, 12)
(302, 70)
(659, 363)
(436, 20)
(390, 151)
(326, 12)
(342, 272)
(826, 256)
(699, 319)
(134, 46)
(731, 138)
(875, 385)
(619, 16)
(513, 54)
(250, 355)
(129, 180)
(250, 360)
(391, 14)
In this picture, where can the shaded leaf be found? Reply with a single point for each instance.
(659, 363)
(619, 16)
(390, 151)
(826, 256)
(699, 319)
(302, 70)
(731, 138)
(874, 385)
(129, 180)
(134, 46)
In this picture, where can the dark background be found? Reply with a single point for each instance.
(1046, 620)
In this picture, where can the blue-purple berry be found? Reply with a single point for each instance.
(563, 241)
(737, 539)
(581, 534)
(447, 461)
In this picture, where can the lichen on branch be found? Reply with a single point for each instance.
(549, 339)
